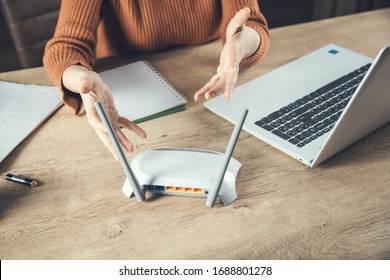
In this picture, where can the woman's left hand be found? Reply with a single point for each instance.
(241, 42)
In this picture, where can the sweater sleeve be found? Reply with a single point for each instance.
(256, 21)
(74, 42)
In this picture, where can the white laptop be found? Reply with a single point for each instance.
(316, 105)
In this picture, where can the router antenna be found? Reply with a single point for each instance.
(214, 190)
(139, 194)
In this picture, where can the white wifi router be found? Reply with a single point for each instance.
(178, 171)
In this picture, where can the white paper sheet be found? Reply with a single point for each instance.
(22, 109)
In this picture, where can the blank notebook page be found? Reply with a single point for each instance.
(140, 92)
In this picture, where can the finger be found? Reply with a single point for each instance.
(88, 101)
(106, 142)
(95, 121)
(207, 87)
(210, 95)
(91, 83)
(86, 84)
(241, 17)
(77, 78)
(217, 88)
(132, 126)
(238, 21)
(92, 114)
(123, 140)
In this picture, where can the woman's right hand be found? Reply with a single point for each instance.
(90, 86)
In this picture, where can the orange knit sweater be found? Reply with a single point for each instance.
(91, 29)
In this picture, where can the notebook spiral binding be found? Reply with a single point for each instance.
(168, 85)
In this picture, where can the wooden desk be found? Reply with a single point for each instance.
(285, 210)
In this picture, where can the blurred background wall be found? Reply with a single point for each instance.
(285, 12)
(26, 25)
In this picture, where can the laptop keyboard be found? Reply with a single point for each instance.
(311, 116)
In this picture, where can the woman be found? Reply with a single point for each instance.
(88, 30)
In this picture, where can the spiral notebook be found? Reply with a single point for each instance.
(141, 92)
